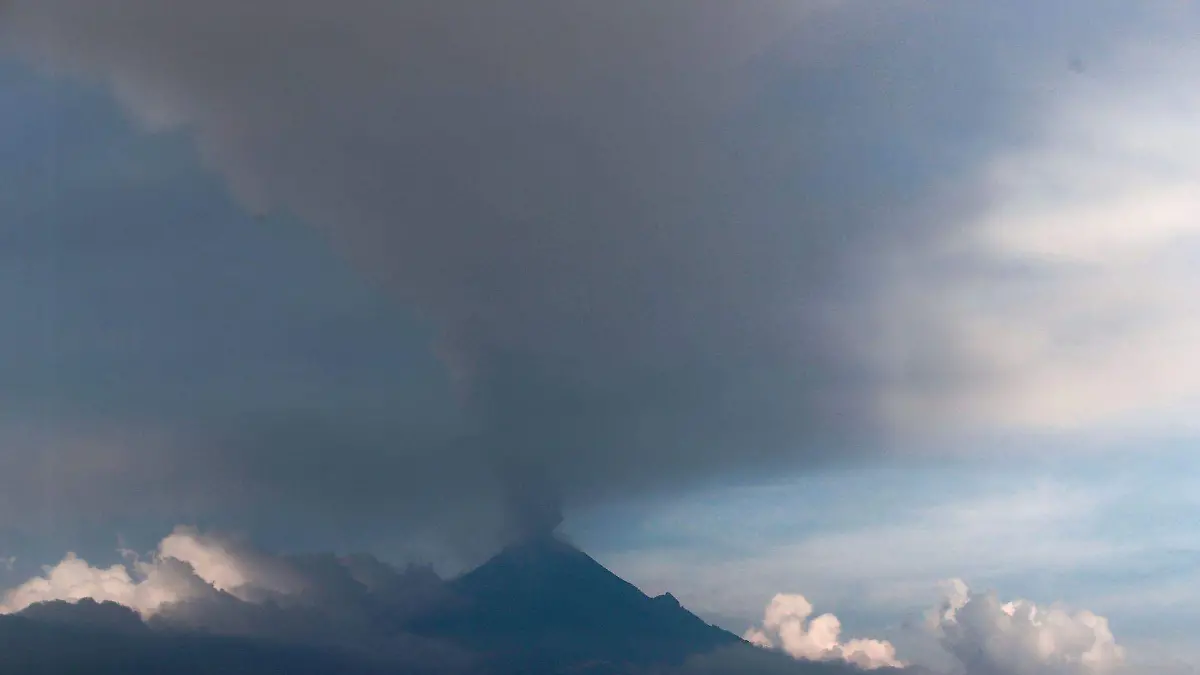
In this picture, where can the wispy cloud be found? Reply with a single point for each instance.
(892, 566)
(1070, 301)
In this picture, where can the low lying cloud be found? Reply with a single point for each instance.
(786, 625)
(991, 637)
(202, 581)
(198, 582)
(982, 634)
(146, 589)
(186, 566)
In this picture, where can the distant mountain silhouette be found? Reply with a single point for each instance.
(544, 605)
(61, 639)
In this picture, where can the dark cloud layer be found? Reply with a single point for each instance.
(649, 236)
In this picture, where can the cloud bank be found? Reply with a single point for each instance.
(187, 565)
(191, 568)
(211, 585)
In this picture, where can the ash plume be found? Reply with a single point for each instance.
(653, 238)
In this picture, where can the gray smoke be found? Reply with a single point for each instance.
(650, 235)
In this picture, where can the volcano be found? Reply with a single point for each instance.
(543, 605)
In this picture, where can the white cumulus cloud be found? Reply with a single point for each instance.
(142, 586)
(186, 565)
(991, 637)
(981, 635)
(786, 625)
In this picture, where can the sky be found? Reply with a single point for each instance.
(843, 299)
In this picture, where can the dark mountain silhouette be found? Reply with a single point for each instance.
(541, 607)
(545, 605)
(61, 639)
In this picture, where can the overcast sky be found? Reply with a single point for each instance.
(742, 290)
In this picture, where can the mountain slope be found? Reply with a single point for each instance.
(543, 604)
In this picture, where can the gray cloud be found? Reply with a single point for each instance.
(653, 239)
